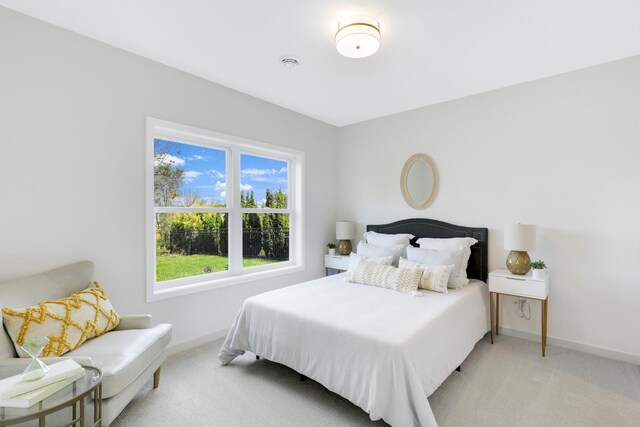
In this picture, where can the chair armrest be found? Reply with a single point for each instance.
(24, 361)
(136, 321)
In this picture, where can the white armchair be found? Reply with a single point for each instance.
(128, 355)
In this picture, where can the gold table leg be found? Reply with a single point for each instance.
(81, 401)
(491, 313)
(544, 325)
(497, 314)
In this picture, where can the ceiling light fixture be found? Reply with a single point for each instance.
(358, 37)
(289, 61)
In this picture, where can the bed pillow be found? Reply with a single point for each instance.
(381, 239)
(67, 322)
(353, 258)
(441, 257)
(434, 277)
(386, 276)
(374, 251)
(453, 243)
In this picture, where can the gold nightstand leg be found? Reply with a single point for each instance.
(497, 314)
(544, 325)
(491, 313)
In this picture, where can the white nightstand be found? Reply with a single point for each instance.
(506, 283)
(336, 262)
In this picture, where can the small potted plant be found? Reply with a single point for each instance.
(332, 248)
(538, 269)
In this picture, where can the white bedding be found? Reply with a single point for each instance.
(383, 350)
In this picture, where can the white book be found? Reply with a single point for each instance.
(13, 386)
(34, 396)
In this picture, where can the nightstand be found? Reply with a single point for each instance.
(336, 262)
(505, 283)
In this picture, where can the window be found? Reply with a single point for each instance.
(221, 210)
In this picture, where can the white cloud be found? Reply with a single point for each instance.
(259, 172)
(246, 187)
(198, 157)
(220, 185)
(223, 194)
(189, 176)
(169, 159)
(269, 179)
(274, 176)
(216, 174)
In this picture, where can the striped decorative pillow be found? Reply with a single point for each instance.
(386, 276)
(434, 277)
(354, 258)
(441, 257)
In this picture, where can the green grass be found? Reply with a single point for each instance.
(176, 266)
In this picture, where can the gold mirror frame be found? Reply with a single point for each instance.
(403, 181)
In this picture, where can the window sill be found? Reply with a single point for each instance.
(154, 294)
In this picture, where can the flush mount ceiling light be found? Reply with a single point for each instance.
(358, 37)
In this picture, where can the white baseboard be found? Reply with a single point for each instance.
(585, 348)
(189, 344)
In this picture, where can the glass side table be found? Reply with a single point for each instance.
(74, 395)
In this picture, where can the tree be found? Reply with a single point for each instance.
(251, 236)
(191, 199)
(167, 184)
(275, 226)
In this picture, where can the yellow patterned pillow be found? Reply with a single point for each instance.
(67, 322)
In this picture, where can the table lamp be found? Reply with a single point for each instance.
(519, 238)
(345, 231)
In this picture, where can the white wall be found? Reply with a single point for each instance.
(562, 153)
(72, 134)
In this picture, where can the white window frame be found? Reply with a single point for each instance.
(234, 146)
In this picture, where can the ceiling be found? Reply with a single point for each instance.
(432, 50)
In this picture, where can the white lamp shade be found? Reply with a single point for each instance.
(358, 37)
(345, 230)
(520, 237)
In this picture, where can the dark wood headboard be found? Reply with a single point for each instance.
(423, 227)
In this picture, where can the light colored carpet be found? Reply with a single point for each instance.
(506, 384)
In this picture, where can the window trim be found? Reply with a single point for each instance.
(235, 147)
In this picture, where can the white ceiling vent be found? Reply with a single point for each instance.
(289, 61)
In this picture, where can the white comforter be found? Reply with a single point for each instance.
(383, 350)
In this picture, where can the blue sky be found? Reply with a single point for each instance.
(205, 171)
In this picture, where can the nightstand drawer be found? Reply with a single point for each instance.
(338, 262)
(524, 286)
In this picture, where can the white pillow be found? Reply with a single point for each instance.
(375, 251)
(452, 243)
(354, 258)
(381, 239)
(434, 277)
(441, 257)
(386, 276)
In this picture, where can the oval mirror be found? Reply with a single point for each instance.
(419, 181)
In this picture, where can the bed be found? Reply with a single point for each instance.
(385, 351)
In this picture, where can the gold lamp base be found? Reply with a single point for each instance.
(344, 247)
(518, 262)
